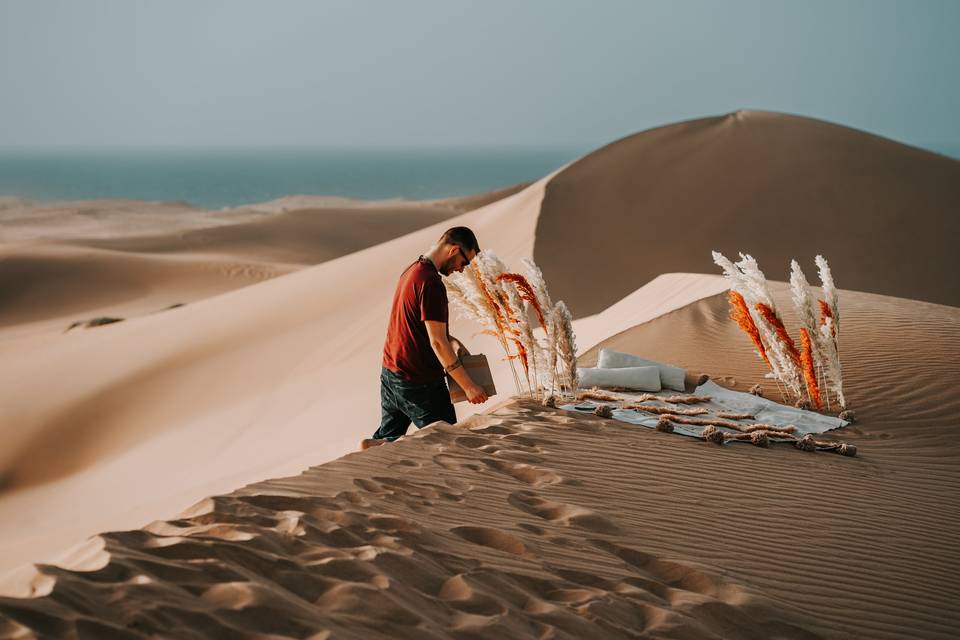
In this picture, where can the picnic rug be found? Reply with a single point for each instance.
(744, 410)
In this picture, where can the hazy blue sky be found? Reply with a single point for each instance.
(456, 72)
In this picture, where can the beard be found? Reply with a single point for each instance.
(446, 268)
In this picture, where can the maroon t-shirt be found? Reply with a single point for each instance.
(420, 296)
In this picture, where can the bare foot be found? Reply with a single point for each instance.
(366, 443)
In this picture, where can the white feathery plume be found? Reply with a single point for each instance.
(828, 337)
(784, 368)
(566, 347)
(802, 299)
(547, 354)
(739, 283)
(458, 298)
(803, 302)
(521, 331)
(754, 281)
(511, 308)
(756, 284)
(831, 361)
(829, 291)
(469, 300)
(732, 273)
(535, 278)
(750, 282)
(498, 304)
(550, 367)
(486, 310)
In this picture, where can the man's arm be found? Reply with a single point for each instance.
(437, 331)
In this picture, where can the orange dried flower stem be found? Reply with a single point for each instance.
(809, 374)
(770, 316)
(526, 293)
(523, 356)
(501, 325)
(825, 313)
(741, 315)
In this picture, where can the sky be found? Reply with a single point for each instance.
(364, 73)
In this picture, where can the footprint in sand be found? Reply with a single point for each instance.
(413, 464)
(526, 473)
(492, 430)
(558, 512)
(527, 441)
(456, 463)
(460, 595)
(478, 443)
(493, 538)
(679, 583)
(369, 486)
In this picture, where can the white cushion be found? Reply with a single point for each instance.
(670, 377)
(641, 378)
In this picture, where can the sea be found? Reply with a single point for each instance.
(231, 177)
(223, 178)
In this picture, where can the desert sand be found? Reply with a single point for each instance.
(520, 520)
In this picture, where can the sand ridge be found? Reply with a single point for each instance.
(774, 185)
(447, 533)
(535, 521)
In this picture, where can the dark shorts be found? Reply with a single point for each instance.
(403, 402)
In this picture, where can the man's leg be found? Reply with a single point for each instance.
(393, 421)
(428, 404)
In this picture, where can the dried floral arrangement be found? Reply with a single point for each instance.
(502, 302)
(807, 374)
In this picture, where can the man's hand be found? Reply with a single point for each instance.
(475, 393)
(440, 341)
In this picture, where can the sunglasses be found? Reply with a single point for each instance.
(466, 260)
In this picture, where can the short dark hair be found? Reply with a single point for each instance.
(462, 237)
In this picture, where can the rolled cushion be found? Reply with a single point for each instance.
(640, 378)
(670, 377)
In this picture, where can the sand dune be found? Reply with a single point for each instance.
(873, 544)
(120, 269)
(225, 390)
(46, 287)
(521, 520)
(534, 522)
(303, 235)
(473, 531)
(773, 185)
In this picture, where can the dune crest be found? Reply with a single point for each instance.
(773, 185)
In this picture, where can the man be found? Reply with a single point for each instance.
(418, 351)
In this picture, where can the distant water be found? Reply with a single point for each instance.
(213, 179)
